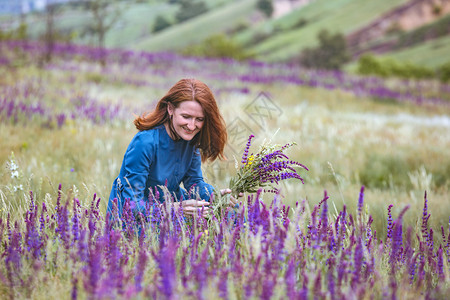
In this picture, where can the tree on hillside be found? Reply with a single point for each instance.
(105, 14)
(331, 53)
(50, 35)
(189, 9)
(266, 6)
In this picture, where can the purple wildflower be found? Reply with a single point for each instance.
(140, 268)
(389, 224)
(425, 217)
(412, 269)
(74, 293)
(360, 201)
(222, 284)
(440, 264)
(397, 239)
(358, 261)
(75, 221)
(247, 147)
(167, 268)
(290, 280)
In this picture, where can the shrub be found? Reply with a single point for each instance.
(218, 46)
(369, 65)
(260, 36)
(388, 67)
(20, 33)
(331, 53)
(443, 72)
(161, 23)
(266, 7)
(300, 23)
(437, 9)
(241, 26)
(190, 9)
(416, 71)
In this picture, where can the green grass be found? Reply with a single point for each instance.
(134, 22)
(393, 148)
(432, 54)
(66, 20)
(196, 30)
(270, 40)
(137, 23)
(343, 16)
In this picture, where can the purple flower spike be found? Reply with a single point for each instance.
(358, 261)
(74, 293)
(245, 155)
(425, 217)
(361, 201)
(389, 225)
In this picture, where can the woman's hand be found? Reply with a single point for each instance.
(192, 206)
(233, 201)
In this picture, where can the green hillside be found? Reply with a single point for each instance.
(280, 39)
(433, 53)
(343, 16)
(135, 22)
(196, 30)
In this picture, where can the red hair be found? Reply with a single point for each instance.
(212, 137)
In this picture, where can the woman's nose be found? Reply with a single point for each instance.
(191, 124)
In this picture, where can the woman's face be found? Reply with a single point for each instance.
(187, 119)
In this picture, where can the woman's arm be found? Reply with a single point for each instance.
(193, 180)
(136, 168)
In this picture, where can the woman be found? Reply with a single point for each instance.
(185, 129)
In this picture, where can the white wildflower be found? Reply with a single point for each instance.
(13, 166)
(18, 188)
(15, 174)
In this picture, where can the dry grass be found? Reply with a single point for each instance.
(397, 150)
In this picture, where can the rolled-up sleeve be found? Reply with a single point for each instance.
(193, 181)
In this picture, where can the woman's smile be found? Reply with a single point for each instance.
(187, 119)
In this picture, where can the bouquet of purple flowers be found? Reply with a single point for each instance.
(262, 170)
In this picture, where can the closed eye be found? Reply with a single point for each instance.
(187, 117)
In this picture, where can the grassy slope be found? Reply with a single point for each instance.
(340, 15)
(431, 54)
(196, 30)
(133, 30)
(137, 22)
(67, 20)
(134, 22)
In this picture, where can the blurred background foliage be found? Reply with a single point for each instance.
(381, 38)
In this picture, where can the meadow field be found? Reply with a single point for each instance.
(359, 227)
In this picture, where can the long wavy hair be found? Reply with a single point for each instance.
(212, 137)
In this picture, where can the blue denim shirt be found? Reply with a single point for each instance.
(152, 160)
